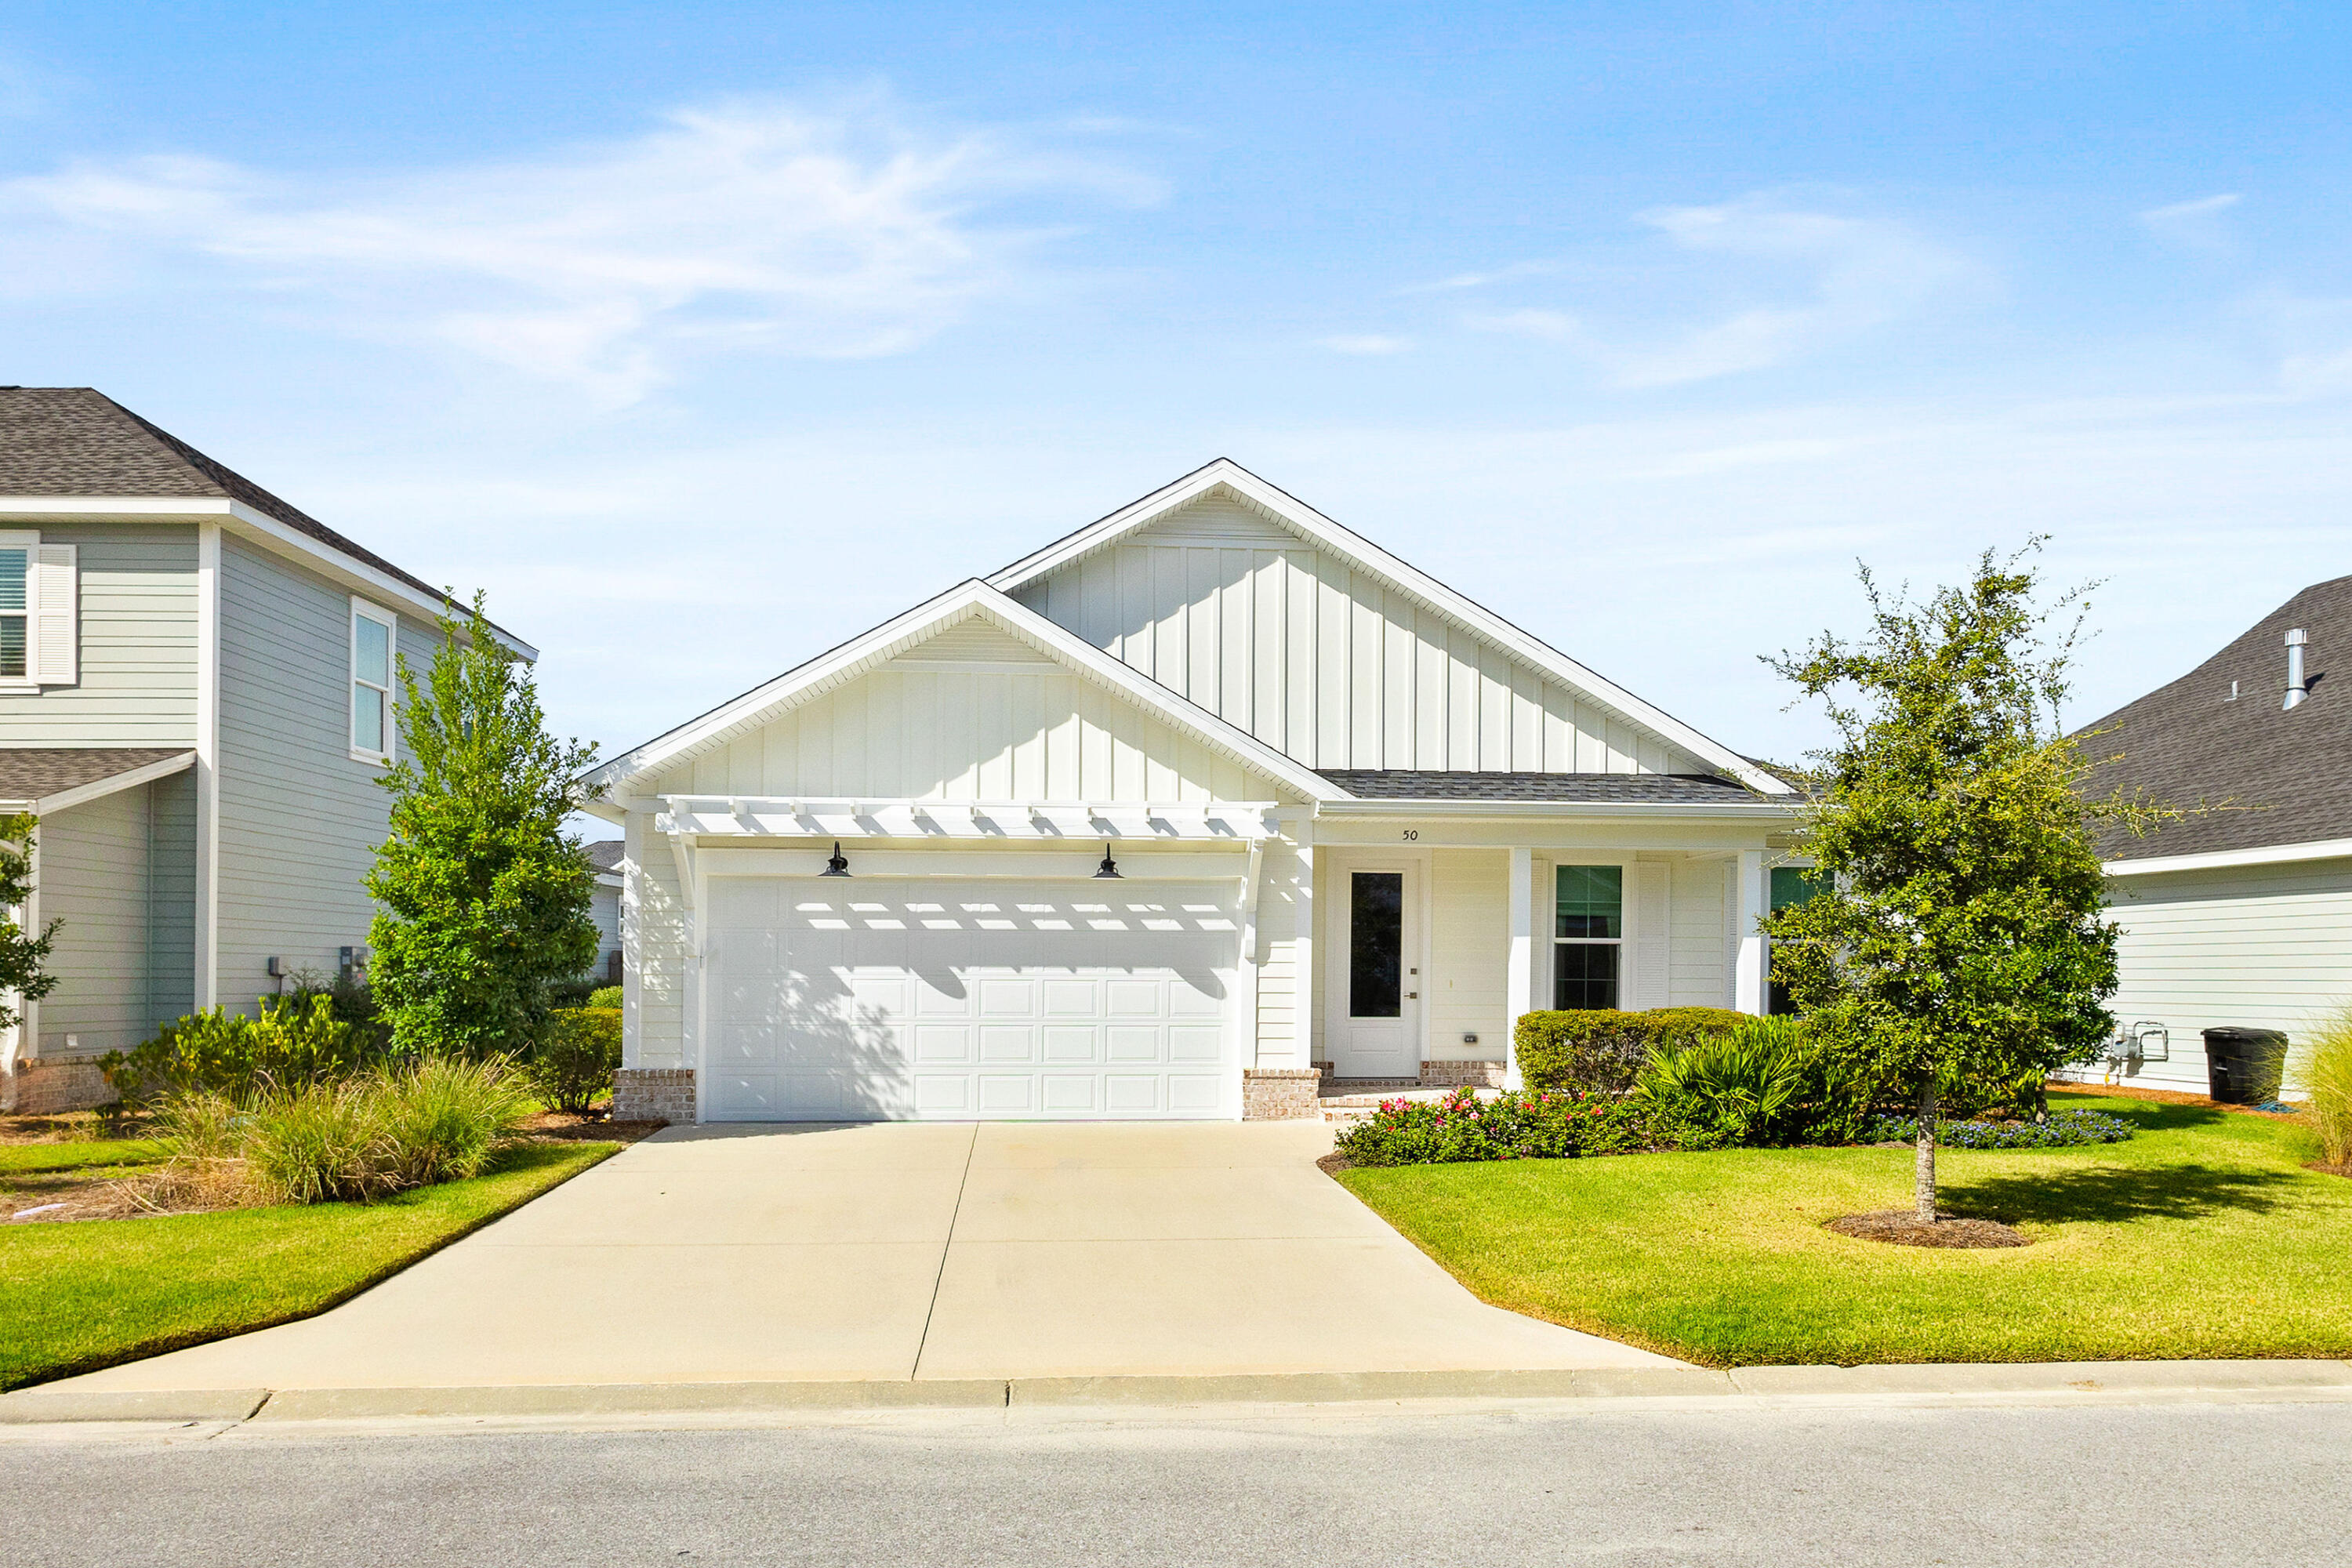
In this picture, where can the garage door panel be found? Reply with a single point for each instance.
(971, 1000)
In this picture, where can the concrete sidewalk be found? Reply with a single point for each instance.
(958, 1258)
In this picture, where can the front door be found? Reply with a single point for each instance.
(1374, 1024)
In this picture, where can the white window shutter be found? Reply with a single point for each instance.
(1650, 920)
(57, 616)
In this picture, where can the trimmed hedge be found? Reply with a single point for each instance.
(1602, 1051)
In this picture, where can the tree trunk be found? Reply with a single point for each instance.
(1925, 1165)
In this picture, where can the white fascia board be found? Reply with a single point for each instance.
(98, 789)
(1556, 810)
(966, 599)
(353, 575)
(1361, 552)
(2222, 859)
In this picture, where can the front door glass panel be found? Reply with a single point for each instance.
(1376, 944)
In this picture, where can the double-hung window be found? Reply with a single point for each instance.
(39, 613)
(371, 661)
(1588, 935)
(16, 612)
(1791, 886)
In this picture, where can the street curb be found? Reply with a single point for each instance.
(2065, 1381)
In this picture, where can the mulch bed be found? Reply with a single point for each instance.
(566, 1127)
(2323, 1168)
(1904, 1227)
(1332, 1164)
(2165, 1097)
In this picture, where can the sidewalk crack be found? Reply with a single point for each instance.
(954, 1218)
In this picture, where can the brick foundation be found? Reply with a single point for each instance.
(48, 1086)
(654, 1094)
(1454, 1075)
(1280, 1094)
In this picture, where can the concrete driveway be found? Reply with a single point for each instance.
(908, 1251)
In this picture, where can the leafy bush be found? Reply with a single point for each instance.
(2328, 1080)
(1528, 1124)
(2064, 1129)
(1603, 1051)
(578, 1050)
(351, 1139)
(604, 996)
(293, 1042)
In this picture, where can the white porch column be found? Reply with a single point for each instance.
(1747, 985)
(1519, 972)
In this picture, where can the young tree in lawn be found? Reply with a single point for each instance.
(1958, 933)
(21, 952)
(485, 897)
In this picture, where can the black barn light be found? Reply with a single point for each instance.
(838, 866)
(1109, 869)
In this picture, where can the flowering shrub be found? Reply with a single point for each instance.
(2064, 1129)
(1525, 1124)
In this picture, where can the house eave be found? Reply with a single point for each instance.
(1561, 810)
(2224, 860)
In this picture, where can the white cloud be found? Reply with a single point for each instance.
(1517, 269)
(744, 226)
(2193, 226)
(1816, 279)
(1367, 343)
(1862, 273)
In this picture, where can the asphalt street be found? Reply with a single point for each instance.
(2110, 1487)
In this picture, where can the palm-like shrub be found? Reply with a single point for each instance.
(2328, 1078)
(1734, 1088)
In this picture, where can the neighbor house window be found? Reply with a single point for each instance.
(1791, 886)
(371, 635)
(1588, 935)
(15, 577)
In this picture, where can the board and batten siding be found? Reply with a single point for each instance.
(1469, 952)
(299, 818)
(137, 683)
(1226, 608)
(970, 715)
(2267, 947)
(94, 875)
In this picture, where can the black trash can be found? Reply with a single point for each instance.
(2243, 1066)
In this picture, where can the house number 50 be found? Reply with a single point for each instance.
(1411, 834)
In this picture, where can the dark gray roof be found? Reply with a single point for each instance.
(30, 772)
(77, 441)
(1652, 789)
(2285, 773)
(604, 854)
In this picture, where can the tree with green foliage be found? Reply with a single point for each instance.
(1958, 935)
(485, 897)
(21, 952)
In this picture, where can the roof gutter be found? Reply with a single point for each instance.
(1555, 810)
(2222, 859)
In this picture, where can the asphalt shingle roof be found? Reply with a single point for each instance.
(1661, 789)
(604, 854)
(29, 773)
(77, 441)
(2284, 774)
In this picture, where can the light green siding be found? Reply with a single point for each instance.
(299, 818)
(2267, 947)
(172, 896)
(96, 875)
(138, 641)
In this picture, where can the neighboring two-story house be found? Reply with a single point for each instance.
(197, 696)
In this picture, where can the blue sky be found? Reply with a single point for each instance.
(705, 336)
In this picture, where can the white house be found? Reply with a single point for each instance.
(604, 908)
(2240, 913)
(1203, 801)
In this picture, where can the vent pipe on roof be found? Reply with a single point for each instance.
(2295, 690)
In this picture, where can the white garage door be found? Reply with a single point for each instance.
(886, 1000)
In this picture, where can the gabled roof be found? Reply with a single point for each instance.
(75, 441)
(867, 651)
(2286, 774)
(1362, 554)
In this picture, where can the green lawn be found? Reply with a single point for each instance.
(2203, 1236)
(78, 1297)
(30, 1159)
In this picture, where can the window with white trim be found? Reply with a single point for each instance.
(16, 609)
(1588, 935)
(374, 634)
(40, 599)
